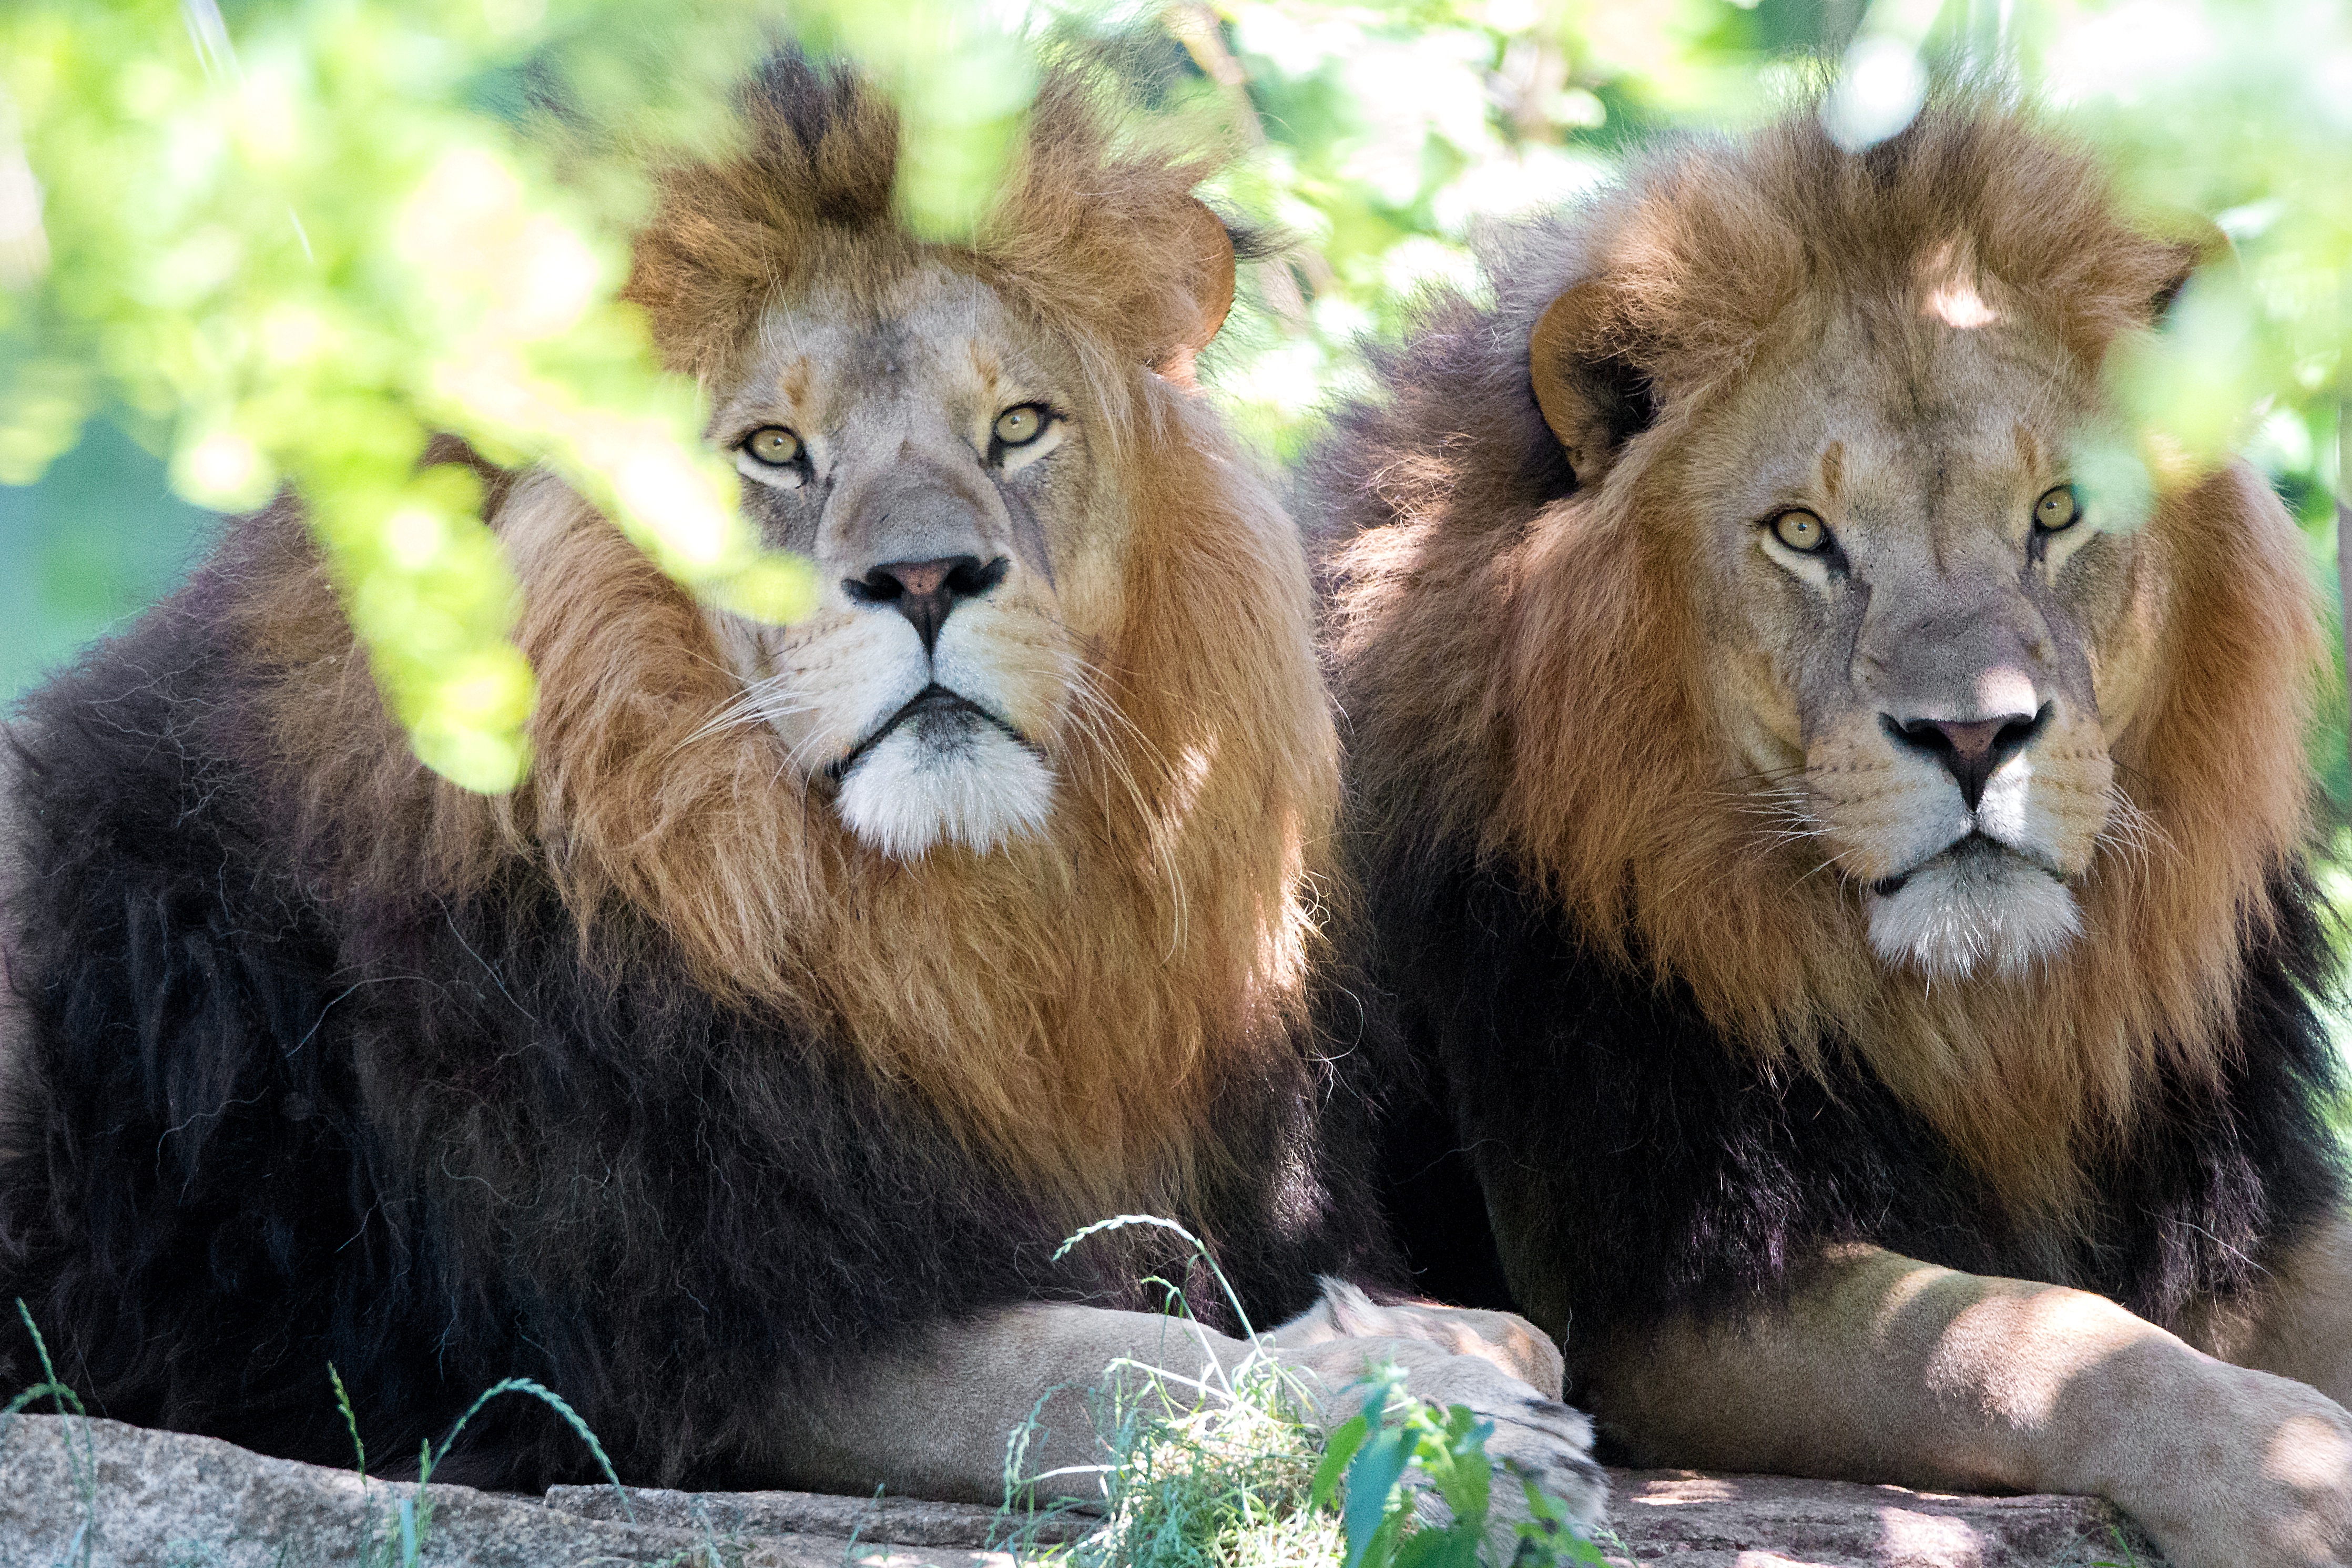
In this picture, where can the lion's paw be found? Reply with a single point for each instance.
(1534, 1439)
(1498, 1366)
(1345, 1312)
(2264, 1479)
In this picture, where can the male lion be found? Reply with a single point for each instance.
(738, 1077)
(1846, 884)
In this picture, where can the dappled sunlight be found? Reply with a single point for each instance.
(24, 244)
(1952, 287)
(1958, 304)
(1666, 1492)
(2309, 1455)
(1908, 1537)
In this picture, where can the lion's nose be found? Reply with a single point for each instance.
(1971, 750)
(927, 591)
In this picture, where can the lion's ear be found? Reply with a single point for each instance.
(1204, 260)
(1593, 394)
(2197, 243)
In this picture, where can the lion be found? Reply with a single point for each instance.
(1840, 871)
(739, 1075)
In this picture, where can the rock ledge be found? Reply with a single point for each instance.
(98, 1492)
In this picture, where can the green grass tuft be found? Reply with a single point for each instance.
(1235, 1471)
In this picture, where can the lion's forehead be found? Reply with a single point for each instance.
(1924, 445)
(834, 352)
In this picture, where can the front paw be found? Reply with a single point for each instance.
(1533, 1438)
(2256, 1474)
(1505, 1339)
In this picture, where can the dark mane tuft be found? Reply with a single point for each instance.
(1084, 233)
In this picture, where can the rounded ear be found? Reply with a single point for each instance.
(2197, 244)
(1593, 394)
(1204, 260)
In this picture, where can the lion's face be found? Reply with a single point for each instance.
(1921, 646)
(929, 451)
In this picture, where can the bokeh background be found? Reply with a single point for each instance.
(253, 242)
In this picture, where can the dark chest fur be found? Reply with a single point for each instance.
(1634, 1165)
(428, 1143)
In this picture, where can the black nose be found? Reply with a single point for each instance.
(927, 591)
(1970, 752)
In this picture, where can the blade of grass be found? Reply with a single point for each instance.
(351, 1422)
(81, 1471)
(1122, 1221)
(554, 1402)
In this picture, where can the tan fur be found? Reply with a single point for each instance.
(2299, 1324)
(1595, 697)
(1072, 1001)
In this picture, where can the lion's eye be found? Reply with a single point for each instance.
(774, 446)
(2057, 510)
(1801, 531)
(1019, 426)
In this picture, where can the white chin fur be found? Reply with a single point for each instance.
(1964, 913)
(976, 786)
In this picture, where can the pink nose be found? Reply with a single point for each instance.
(1971, 750)
(927, 591)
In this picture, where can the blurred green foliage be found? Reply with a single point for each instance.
(291, 235)
(300, 238)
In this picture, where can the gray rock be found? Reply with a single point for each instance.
(97, 1494)
(1691, 1520)
(896, 1520)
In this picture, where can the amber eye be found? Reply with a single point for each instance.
(1019, 426)
(1801, 531)
(2057, 510)
(774, 445)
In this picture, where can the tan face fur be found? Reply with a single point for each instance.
(938, 470)
(1925, 644)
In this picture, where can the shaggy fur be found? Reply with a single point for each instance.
(1675, 1062)
(650, 1081)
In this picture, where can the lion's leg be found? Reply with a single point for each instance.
(935, 1422)
(2299, 1325)
(1883, 1368)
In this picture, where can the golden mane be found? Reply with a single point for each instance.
(1523, 671)
(1071, 1003)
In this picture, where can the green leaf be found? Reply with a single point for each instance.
(1371, 1481)
(1456, 1546)
(1337, 1449)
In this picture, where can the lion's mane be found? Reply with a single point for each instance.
(647, 1081)
(1674, 1059)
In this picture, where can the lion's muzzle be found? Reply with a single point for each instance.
(1961, 769)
